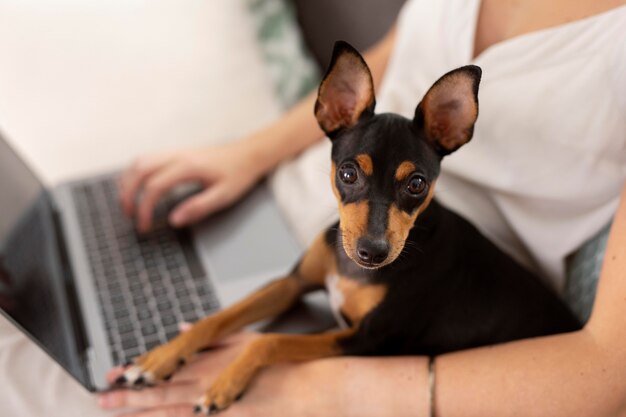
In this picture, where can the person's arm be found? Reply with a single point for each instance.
(228, 171)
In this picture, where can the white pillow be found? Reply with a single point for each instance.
(86, 86)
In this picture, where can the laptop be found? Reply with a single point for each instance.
(79, 281)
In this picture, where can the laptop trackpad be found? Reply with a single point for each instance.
(246, 245)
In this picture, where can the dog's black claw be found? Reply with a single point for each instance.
(139, 381)
(167, 377)
(197, 409)
(237, 398)
(121, 380)
(212, 410)
(182, 362)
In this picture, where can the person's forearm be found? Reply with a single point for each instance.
(558, 376)
(286, 138)
(565, 375)
(381, 387)
(298, 128)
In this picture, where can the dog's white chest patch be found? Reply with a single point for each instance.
(336, 298)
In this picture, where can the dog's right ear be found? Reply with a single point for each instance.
(346, 94)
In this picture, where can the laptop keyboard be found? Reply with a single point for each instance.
(147, 284)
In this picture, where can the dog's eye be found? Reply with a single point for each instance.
(348, 174)
(416, 185)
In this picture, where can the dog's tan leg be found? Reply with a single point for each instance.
(268, 301)
(264, 351)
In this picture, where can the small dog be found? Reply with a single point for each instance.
(405, 275)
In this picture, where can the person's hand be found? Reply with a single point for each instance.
(226, 172)
(339, 387)
(306, 389)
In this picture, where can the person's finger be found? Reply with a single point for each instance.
(160, 395)
(132, 179)
(185, 410)
(114, 373)
(154, 188)
(184, 326)
(200, 205)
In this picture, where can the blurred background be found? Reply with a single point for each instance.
(87, 85)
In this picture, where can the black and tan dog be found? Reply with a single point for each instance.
(406, 275)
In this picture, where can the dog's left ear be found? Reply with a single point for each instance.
(448, 111)
(346, 94)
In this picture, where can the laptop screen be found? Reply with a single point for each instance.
(32, 282)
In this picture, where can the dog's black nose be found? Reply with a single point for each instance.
(372, 251)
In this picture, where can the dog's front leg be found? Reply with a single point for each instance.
(268, 301)
(264, 351)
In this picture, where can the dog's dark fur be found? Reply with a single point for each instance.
(413, 277)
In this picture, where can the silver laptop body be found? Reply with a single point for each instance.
(53, 259)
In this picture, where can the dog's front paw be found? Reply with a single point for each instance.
(226, 389)
(156, 365)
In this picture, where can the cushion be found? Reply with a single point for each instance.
(359, 22)
(293, 71)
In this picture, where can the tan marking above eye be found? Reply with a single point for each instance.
(404, 170)
(365, 162)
